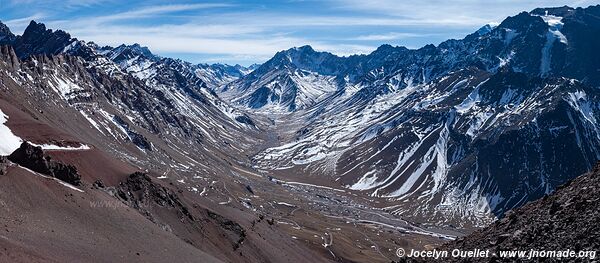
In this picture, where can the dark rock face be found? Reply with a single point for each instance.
(38, 40)
(33, 157)
(231, 226)
(98, 184)
(135, 137)
(139, 192)
(3, 165)
(244, 119)
(261, 97)
(7, 54)
(6, 36)
(565, 219)
(582, 59)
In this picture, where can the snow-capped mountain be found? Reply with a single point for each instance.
(292, 80)
(218, 75)
(130, 58)
(139, 60)
(128, 94)
(417, 123)
(543, 35)
(467, 129)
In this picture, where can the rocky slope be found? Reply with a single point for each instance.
(164, 101)
(557, 222)
(95, 124)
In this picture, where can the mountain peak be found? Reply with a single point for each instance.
(125, 52)
(522, 21)
(388, 48)
(141, 49)
(484, 29)
(298, 56)
(480, 32)
(35, 29)
(42, 27)
(384, 47)
(6, 36)
(38, 40)
(555, 11)
(35, 26)
(305, 48)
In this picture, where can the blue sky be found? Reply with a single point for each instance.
(247, 32)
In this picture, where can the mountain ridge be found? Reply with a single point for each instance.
(477, 96)
(465, 52)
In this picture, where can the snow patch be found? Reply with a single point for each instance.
(367, 181)
(555, 24)
(9, 142)
(53, 147)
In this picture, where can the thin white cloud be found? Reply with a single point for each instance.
(450, 10)
(183, 30)
(249, 47)
(293, 20)
(58, 4)
(388, 36)
(152, 11)
(342, 49)
(242, 35)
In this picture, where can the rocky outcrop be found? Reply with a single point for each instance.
(152, 200)
(8, 56)
(245, 119)
(38, 40)
(230, 226)
(33, 157)
(139, 192)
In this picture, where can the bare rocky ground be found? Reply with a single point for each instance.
(238, 218)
